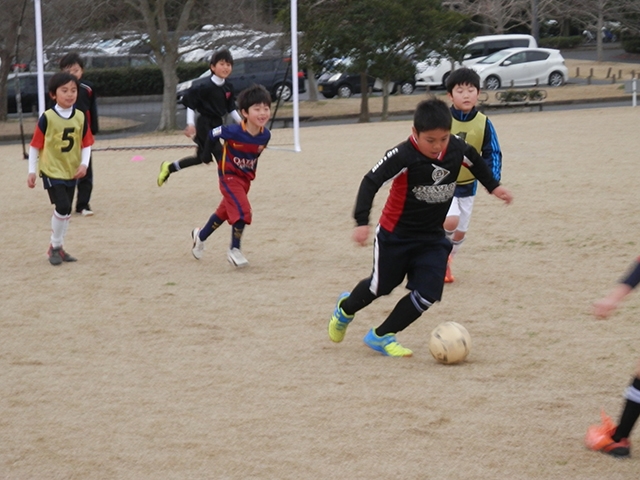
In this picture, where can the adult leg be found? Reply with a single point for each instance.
(85, 187)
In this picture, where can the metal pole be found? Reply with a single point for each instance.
(39, 56)
(294, 73)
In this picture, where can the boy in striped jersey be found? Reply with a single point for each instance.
(237, 166)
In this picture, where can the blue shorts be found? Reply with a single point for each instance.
(423, 261)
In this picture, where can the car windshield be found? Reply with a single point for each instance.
(496, 57)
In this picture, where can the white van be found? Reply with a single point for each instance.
(434, 71)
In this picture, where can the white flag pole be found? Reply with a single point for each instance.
(39, 56)
(294, 73)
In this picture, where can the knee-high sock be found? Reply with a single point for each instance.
(236, 234)
(406, 311)
(630, 413)
(359, 298)
(59, 225)
(211, 225)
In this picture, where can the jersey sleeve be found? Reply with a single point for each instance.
(491, 151)
(93, 113)
(37, 141)
(386, 169)
(87, 135)
(476, 164)
(632, 278)
(191, 98)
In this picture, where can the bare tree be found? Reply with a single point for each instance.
(494, 15)
(13, 11)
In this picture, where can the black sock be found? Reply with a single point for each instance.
(629, 416)
(403, 315)
(359, 298)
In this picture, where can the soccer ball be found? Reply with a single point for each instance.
(449, 343)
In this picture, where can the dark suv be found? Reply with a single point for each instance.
(272, 72)
(28, 91)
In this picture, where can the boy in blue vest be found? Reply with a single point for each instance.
(463, 88)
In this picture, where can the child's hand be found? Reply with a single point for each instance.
(605, 307)
(80, 172)
(503, 194)
(190, 131)
(361, 234)
(31, 180)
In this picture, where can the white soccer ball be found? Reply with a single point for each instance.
(449, 343)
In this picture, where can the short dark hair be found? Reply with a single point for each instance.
(432, 114)
(223, 54)
(71, 59)
(463, 76)
(59, 79)
(253, 95)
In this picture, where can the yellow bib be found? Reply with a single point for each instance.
(471, 132)
(62, 152)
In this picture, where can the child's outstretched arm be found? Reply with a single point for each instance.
(503, 194)
(607, 305)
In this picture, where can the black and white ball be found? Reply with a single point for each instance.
(449, 343)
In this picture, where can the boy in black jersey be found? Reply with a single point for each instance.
(212, 100)
(410, 239)
(609, 437)
(86, 103)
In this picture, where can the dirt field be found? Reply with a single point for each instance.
(140, 362)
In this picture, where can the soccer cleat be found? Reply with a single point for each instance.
(164, 173)
(448, 276)
(86, 212)
(599, 438)
(198, 245)
(58, 255)
(339, 321)
(236, 258)
(386, 344)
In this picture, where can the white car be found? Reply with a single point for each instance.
(520, 67)
(433, 72)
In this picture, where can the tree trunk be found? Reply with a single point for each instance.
(312, 85)
(385, 99)
(170, 79)
(599, 25)
(364, 102)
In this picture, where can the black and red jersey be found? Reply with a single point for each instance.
(422, 187)
(211, 101)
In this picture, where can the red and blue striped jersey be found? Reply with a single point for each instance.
(241, 149)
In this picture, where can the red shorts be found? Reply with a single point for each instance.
(234, 205)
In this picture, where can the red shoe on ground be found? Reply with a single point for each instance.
(598, 438)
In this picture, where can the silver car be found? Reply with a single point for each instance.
(521, 67)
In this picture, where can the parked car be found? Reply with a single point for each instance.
(28, 90)
(346, 84)
(519, 67)
(433, 72)
(267, 71)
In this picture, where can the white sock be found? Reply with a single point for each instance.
(59, 225)
(456, 247)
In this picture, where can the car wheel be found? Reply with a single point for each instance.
(283, 92)
(444, 79)
(492, 83)
(344, 91)
(556, 79)
(328, 95)
(406, 88)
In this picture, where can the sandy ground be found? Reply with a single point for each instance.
(140, 362)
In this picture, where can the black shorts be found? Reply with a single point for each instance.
(60, 193)
(422, 260)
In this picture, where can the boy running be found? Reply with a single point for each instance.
(60, 151)
(463, 88)
(243, 144)
(212, 100)
(608, 437)
(409, 239)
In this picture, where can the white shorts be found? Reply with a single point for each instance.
(462, 207)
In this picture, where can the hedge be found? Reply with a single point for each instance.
(130, 81)
(631, 44)
(561, 42)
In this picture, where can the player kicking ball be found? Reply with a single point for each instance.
(410, 239)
